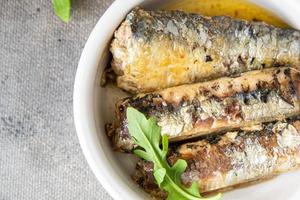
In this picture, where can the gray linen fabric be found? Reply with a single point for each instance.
(40, 157)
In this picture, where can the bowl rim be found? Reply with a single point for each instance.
(83, 96)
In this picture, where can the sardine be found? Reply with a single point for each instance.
(153, 50)
(220, 105)
(223, 162)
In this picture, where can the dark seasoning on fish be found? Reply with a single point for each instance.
(231, 86)
(235, 158)
(224, 104)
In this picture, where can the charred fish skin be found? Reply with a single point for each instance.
(235, 158)
(224, 104)
(153, 50)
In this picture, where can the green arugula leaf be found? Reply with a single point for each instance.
(62, 9)
(147, 134)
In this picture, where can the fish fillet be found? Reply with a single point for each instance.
(220, 105)
(153, 50)
(236, 158)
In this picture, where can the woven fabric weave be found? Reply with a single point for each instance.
(40, 157)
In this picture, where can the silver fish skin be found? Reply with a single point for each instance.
(224, 104)
(235, 159)
(153, 50)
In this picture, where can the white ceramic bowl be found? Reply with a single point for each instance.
(93, 107)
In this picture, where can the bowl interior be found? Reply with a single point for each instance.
(121, 166)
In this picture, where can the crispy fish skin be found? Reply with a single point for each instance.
(153, 50)
(235, 158)
(216, 106)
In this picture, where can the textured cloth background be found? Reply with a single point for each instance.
(40, 157)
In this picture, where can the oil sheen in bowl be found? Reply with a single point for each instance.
(235, 8)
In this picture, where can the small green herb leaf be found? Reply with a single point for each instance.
(160, 175)
(165, 145)
(143, 154)
(62, 9)
(178, 169)
(147, 135)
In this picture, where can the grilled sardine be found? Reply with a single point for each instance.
(158, 49)
(223, 162)
(220, 105)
